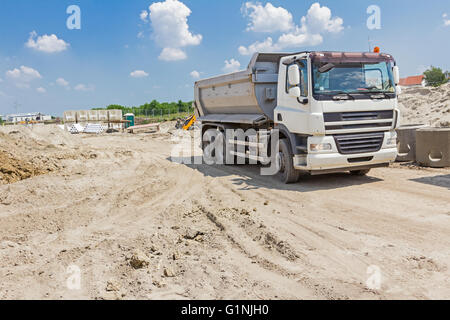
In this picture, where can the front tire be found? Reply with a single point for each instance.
(287, 173)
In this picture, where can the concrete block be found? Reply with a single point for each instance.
(70, 116)
(82, 116)
(115, 115)
(93, 115)
(433, 147)
(406, 142)
(103, 115)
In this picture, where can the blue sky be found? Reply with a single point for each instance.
(115, 57)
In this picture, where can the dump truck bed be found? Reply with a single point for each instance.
(242, 97)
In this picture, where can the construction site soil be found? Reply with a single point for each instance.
(111, 216)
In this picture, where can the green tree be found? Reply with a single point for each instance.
(435, 77)
(154, 106)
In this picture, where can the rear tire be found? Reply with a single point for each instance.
(288, 174)
(360, 173)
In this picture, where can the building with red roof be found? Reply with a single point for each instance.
(414, 81)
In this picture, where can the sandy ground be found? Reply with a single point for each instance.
(115, 213)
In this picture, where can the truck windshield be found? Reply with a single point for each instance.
(353, 78)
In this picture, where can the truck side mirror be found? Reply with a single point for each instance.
(396, 72)
(294, 75)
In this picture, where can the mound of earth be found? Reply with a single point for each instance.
(430, 106)
(28, 152)
(13, 170)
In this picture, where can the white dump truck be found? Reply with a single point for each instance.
(334, 111)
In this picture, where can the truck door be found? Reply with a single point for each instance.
(293, 111)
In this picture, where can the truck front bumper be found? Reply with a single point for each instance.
(332, 161)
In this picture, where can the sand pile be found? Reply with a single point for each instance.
(28, 152)
(13, 170)
(428, 105)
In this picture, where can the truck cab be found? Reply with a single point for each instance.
(339, 110)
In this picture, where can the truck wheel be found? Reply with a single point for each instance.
(360, 173)
(287, 172)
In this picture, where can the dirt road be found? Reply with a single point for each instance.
(128, 223)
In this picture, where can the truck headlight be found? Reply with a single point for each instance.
(321, 147)
(392, 140)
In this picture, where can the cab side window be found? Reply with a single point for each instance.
(303, 65)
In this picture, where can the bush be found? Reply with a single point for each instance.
(435, 77)
(154, 106)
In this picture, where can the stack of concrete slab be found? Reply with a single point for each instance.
(406, 142)
(111, 118)
(433, 147)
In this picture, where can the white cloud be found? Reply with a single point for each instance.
(62, 82)
(46, 43)
(172, 54)
(299, 39)
(139, 74)
(318, 21)
(267, 18)
(84, 88)
(171, 30)
(446, 20)
(41, 90)
(22, 76)
(231, 65)
(1, 80)
(140, 34)
(195, 74)
(144, 16)
(265, 46)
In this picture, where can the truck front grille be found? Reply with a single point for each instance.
(374, 120)
(359, 143)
